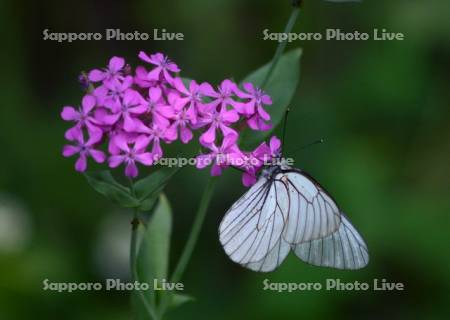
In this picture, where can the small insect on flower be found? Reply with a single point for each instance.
(287, 209)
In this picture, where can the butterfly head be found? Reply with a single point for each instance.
(278, 165)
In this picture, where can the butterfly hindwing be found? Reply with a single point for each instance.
(344, 249)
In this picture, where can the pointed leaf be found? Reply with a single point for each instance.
(153, 259)
(156, 242)
(103, 182)
(178, 299)
(153, 184)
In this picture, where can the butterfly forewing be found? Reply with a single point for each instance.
(273, 258)
(253, 226)
(313, 214)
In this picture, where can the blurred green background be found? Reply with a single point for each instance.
(382, 107)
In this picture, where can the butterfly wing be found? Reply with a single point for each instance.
(344, 249)
(290, 210)
(252, 227)
(320, 234)
(273, 258)
(312, 214)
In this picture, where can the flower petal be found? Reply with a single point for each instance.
(203, 160)
(156, 150)
(131, 170)
(173, 67)
(97, 155)
(248, 179)
(208, 136)
(81, 164)
(69, 114)
(88, 103)
(154, 74)
(144, 57)
(263, 113)
(207, 90)
(179, 85)
(154, 94)
(94, 137)
(229, 141)
(145, 158)
(165, 111)
(115, 161)
(171, 133)
(129, 123)
(121, 142)
(96, 75)
(185, 134)
(75, 134)
(70, 150)
(141, 143)
(227, 130)
(229, 116)
(116, 64)
(248, 86)
(275, 145)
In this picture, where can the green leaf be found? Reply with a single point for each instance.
(281, 87)
(153, 258)
(152, 185)
(104, 183)
(156, 242)
(177, 299)
(147, 206)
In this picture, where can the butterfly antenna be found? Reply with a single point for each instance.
(321, 140)
(284, 128)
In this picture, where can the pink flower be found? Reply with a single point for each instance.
(128, 109)
(156, 134)
(130, 156)
(82, 117)
(221, 157)
(251, 163)
(253, 108)
(140, 78)
(163, 66)
(217, 120)
(114, 71)
(224, 95)
(130, 113)
(183, 118)
(266, 152)
(156, 106)
(192, 96)
(84, 149)
(111, 92)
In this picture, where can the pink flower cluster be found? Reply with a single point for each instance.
(133, 112)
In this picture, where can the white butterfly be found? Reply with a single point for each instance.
(287, 209)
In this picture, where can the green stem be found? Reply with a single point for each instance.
(133, 259)
(281, 46)
(195, 231)
(192, 240)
